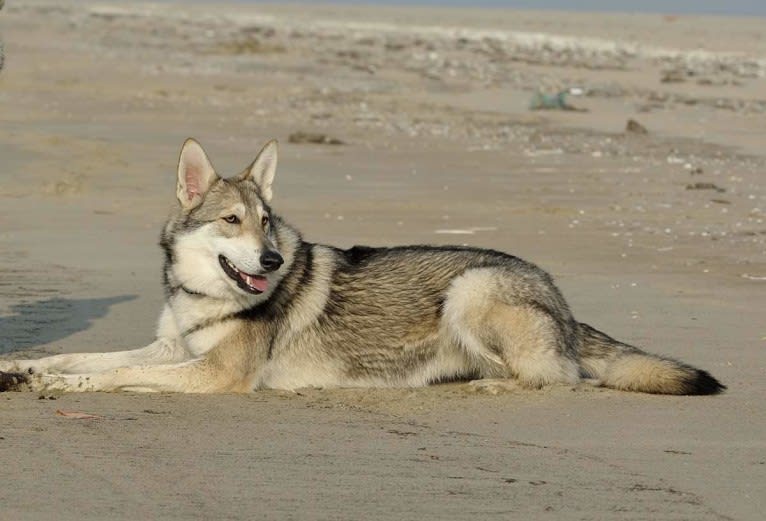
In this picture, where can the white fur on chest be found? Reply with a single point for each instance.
(203, 340)
(202, 322)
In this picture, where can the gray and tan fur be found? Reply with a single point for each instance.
(250, 305)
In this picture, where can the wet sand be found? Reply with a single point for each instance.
(658, 239)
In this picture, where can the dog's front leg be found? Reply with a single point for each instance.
(195, 376)
(168, 348)
(161, 351)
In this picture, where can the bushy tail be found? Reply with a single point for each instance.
(625, 367)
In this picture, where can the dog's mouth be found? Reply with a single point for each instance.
(255, 284)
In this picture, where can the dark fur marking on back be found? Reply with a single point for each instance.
(358, 254)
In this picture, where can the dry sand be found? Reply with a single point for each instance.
(658, 239)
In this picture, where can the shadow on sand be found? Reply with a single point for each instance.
(38, 323)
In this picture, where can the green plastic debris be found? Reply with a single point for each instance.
(558, 101)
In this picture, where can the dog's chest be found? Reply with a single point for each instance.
(203, 340)
(202, 324)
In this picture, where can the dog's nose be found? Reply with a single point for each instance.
(271, 260)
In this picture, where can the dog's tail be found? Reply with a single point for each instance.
(625, 367)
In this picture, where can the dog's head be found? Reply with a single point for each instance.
(223, 239)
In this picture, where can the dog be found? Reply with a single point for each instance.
(250, 305)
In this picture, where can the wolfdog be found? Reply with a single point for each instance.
(251, 305)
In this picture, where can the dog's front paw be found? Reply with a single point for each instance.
(9, 366)
(13, 381)
(19, 366)
(45, 382)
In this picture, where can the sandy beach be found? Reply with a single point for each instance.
(657, 238)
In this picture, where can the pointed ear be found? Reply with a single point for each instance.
(263, 169)
(195, 174)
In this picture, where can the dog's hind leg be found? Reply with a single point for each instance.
(531, 345)
(509, 340)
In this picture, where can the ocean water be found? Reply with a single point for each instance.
(717, 7)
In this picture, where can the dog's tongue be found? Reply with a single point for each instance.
(257, 282)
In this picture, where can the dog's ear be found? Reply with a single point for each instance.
(195, 174)
(263, 169)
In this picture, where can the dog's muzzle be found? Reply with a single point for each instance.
(249, 282)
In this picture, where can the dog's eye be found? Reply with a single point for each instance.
(264, 220)
(231, 219)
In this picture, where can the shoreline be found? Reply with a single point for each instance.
(466, 7)
(720, 90)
